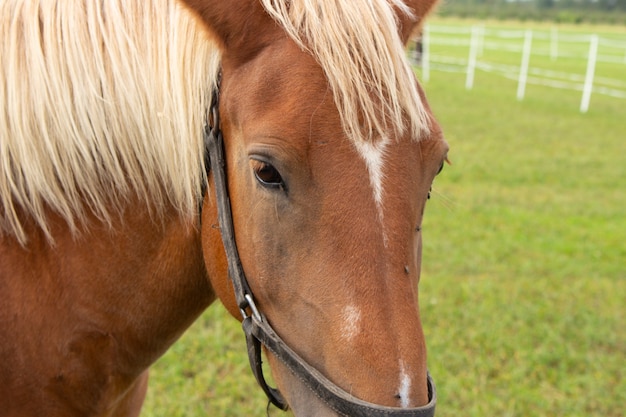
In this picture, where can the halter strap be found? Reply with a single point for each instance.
(257, 329)
(215, 161)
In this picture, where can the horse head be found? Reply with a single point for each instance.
(331, 150)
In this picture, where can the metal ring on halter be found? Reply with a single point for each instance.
(253, 308)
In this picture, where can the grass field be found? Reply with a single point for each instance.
(523, 294)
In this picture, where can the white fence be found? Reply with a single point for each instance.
(438, 40)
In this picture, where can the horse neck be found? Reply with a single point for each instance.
(140, 282)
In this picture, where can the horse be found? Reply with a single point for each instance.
(159, 155)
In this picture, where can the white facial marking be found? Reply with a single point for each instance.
(373, 154)
(405, 387)
(351, 317)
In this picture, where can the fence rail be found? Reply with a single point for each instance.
(437, 40)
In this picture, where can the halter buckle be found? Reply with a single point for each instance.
(253, 308)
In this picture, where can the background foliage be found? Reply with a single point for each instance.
(560, 11)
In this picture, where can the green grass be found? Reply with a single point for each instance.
(524, 288)
(205, 373)
(523, 294)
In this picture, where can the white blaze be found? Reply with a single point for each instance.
(405, 387)
(351, 318)
(374, 154)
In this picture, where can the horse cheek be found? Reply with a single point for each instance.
(215, 257)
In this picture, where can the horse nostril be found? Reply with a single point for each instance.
(399, 401)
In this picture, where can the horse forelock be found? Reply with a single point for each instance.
(357, 44)
(99, 99)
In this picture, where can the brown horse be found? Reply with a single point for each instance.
(105, 257)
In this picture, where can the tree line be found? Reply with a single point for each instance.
(562, 11)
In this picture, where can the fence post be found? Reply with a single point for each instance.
(523, 71)
(481, 41)
(554, 43)
(591, 67)
(426, 54)
(471, 61)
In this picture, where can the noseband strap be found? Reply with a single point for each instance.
(257, 329)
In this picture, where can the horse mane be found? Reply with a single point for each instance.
(357, 44)
(100, 100)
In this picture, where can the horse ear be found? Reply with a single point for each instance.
(409, 25)
(245, 18)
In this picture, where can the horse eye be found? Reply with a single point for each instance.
(445, 161)
(268, 176)
(440, 168)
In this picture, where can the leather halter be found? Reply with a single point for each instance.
(258, 330)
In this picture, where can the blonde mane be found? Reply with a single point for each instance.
(102, 100)
(99, 100)
(357, 44)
